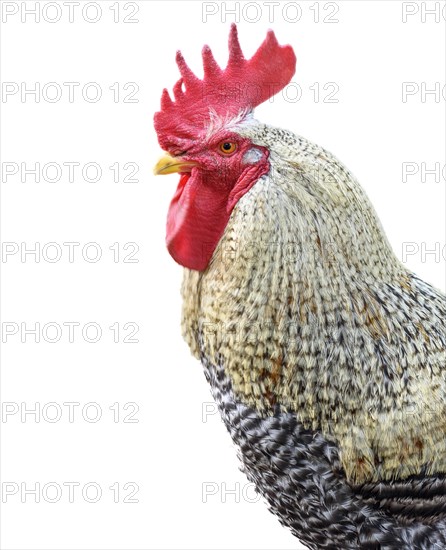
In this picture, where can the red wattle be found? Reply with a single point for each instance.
(199, 212)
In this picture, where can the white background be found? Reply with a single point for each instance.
(172, 450)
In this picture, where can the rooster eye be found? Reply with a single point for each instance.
(227, 147)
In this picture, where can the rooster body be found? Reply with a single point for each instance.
(325, 355)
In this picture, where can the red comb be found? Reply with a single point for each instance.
(243, 85)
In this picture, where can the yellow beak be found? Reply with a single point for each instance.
(169, 165)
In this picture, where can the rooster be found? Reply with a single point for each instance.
(326, 356)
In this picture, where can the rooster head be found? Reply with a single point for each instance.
(198, 131)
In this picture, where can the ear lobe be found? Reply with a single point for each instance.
(252, 156)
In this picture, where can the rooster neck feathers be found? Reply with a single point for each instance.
(309, 309)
